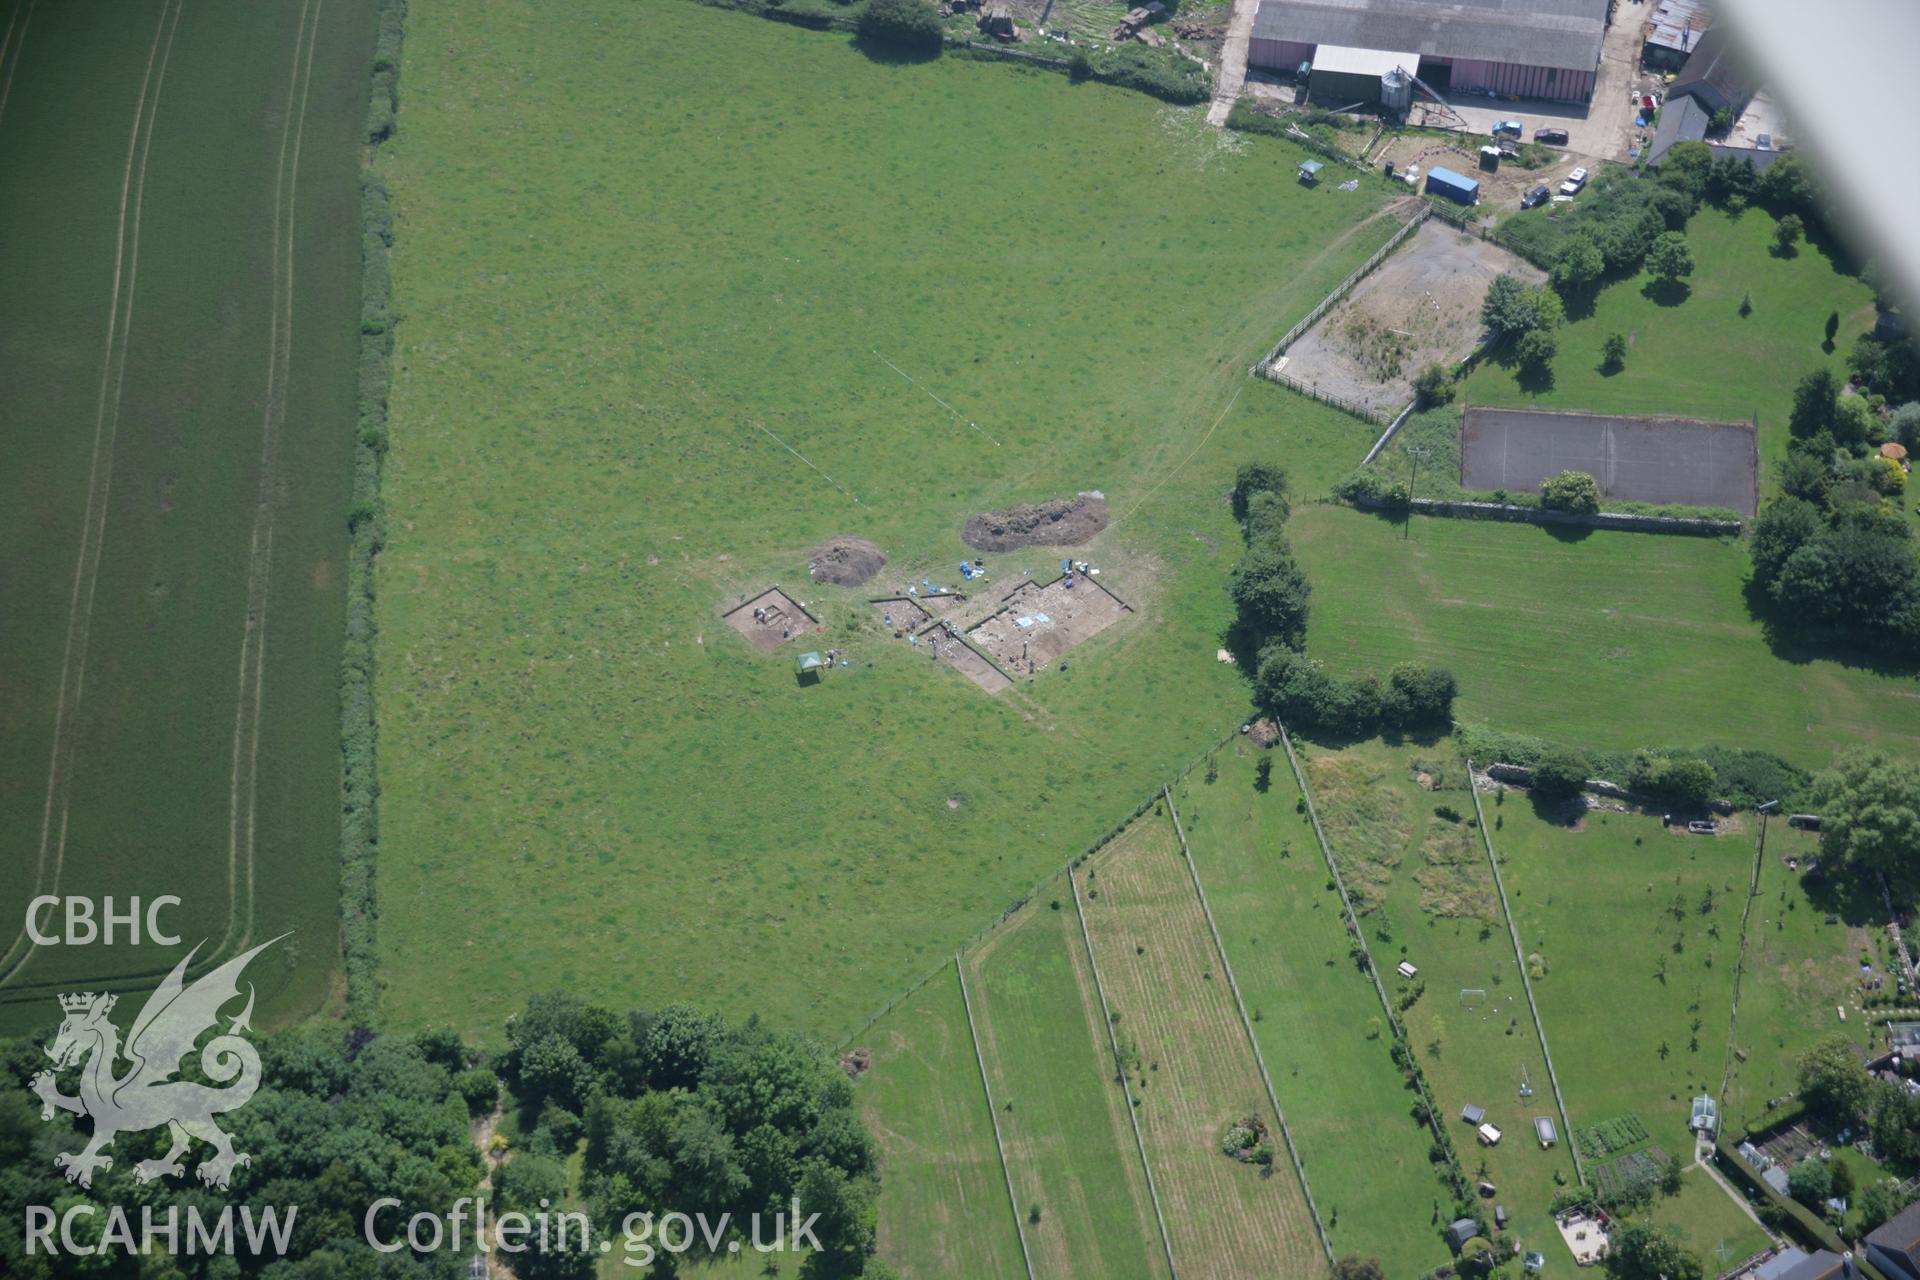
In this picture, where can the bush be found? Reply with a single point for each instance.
(1160, 73)
(1270, 592)
(1434, 386)
(1561, 771)
(1256, 477)
(912, 25)
(1575, 492)
(1686, 780)
(1671, 258)
(1787, 231)
(1537, 348)
(1613, 351)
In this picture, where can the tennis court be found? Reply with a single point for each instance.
(1680, 460)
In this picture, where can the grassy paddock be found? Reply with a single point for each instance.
(1612, 639)
(1429, 900)
(615, 266)
(145, 794)
(1317, 1017)
(1636, 929)
(1804, 943)
(1070, 1147)
(943, 1198)
(1699, 357)
(1191, 1070)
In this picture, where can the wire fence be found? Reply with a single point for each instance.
(1740, 956)
(1246, 1023)
(1354, 407)
(974, 939)
(1411, 1067)
(1340, 291)
(1000, 1147)
(1526, 985)
(1467, 220)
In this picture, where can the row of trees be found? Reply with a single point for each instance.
(1271, 594)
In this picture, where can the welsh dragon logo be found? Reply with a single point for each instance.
(147, 1096)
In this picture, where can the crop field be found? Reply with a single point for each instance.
(1429, 900)
(1701, 358)
(1069, 1144)
(1187, 1061)
(1804, 944)
(648, 359)
(1318, 1018)
(943, 1199)
(1612, 639)
(1637, 927)
(178, 322)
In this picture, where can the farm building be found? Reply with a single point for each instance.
(1526, 48)
(1676, 27)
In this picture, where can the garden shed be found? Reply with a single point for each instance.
(1472, 1114)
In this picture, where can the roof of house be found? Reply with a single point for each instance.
(1900, 1233)
(1532, 33)
(1684, 120)
(1715, 74)
(1822, 1264)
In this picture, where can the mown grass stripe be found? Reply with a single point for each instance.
(1246, 1024)
(993, 1116)
(1113, 1043)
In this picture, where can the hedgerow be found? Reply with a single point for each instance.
(360, 783)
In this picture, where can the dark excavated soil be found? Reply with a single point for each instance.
(1063, 522)
(846, 561)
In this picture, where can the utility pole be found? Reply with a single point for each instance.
(1413, 455)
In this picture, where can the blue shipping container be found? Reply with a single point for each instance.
(1453, 186)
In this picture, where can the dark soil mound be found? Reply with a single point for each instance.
(1064, 522)
(846, 561)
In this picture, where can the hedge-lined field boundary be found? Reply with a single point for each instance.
(359, 776)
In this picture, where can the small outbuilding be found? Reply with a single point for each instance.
(1459, 1231)
(1543, 1130)
(1472, 1114)
(1706, 1116)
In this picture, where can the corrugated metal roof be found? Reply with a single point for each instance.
(1679, 24)
(1534, 33)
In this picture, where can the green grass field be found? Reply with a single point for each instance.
(181, 298)
(1189, 1066)
(618, 271)
(1069, 1145)
(1804, 943)
(943, 1198)
(1637, 929)
(1701, 358)
(1431, 903)
(1611, 639)
(1319, 1024)
(1708, 1221)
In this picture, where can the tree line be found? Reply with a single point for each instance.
(1271, 597)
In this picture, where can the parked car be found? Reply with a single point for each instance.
(1510, 128)
(1535, 198)
(1553, 137)
(1575, 180)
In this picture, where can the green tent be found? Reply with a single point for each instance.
(809, 662)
